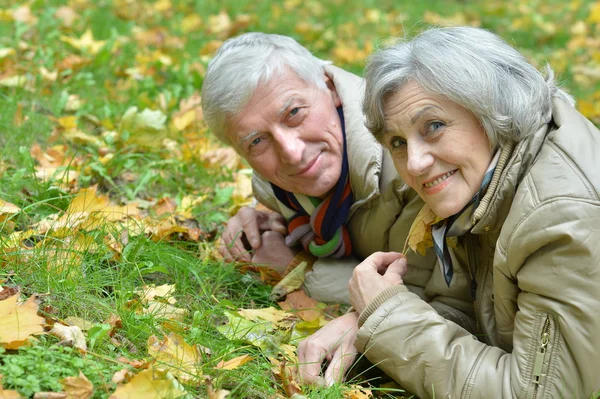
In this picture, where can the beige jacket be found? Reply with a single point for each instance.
(535, 253)
(380, 217)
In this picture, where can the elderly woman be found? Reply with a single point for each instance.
(498, 152)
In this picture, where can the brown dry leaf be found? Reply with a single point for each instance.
(85, 43)
(173, 354)
(289, 379)
(210, 390)
(122, 375)
(72, 334)
(19, 322)
(419, 236)
(290, 283)
(6, 291)
(150, 384)
(357, 392)
(234, 363)
(302, 305)
(77, 387)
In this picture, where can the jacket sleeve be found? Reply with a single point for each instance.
(546, 280)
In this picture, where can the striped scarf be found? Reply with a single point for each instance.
(459, 224)
(320, 225)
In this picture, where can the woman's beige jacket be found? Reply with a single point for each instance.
(535, 254)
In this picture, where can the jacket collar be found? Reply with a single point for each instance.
(515, 161)
(365, 154)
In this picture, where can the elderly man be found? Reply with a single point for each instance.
(334, 192)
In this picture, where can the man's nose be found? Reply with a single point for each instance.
(420, 158)
(290, 146)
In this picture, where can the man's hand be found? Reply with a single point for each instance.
(246, 227)
(334, 342)
(376, 273)
(273, 252)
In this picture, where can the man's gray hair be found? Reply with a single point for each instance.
(243, 62)
(471, 67)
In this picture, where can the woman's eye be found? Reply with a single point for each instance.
(255, 142)
(433, 127)
(396, 142)
(294, 111)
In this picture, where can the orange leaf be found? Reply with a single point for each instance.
(303, 305)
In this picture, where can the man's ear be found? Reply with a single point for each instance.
(336, 99)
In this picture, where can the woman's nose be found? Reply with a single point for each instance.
(420, 158)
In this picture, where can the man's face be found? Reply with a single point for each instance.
(290, 133)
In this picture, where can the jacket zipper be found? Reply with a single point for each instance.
(540, 356)
(471, 259)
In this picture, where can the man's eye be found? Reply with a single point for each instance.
(294, 111)
(396, 142)
(255, 142)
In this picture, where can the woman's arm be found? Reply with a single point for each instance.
(546, 279)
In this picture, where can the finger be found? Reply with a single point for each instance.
(377, 262)
(250, 227)
(234, 247)
(396, 270)
(278, 224)
(339, 366)
(310, 358)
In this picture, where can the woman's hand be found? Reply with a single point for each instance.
(376, 273)
(334, 342)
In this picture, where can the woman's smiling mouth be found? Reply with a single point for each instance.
(439, 179)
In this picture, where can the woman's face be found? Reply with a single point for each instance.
(439, 148)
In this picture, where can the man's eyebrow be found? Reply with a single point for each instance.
(286, 106)
(416, 116)
(246, 138)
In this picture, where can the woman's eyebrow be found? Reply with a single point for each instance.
(423, 110)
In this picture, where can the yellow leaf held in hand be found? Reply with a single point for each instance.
(419, 236)
(19, 322)
(77, 387)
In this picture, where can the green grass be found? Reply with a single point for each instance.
(87, 281)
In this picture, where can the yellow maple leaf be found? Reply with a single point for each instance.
(270, 314)
(85, 43)
(19, 322)
(173, 354)
(77, 387)
(150, 384)
(419, 236)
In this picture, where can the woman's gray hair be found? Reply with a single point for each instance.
(471, 67)
(243, 62)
